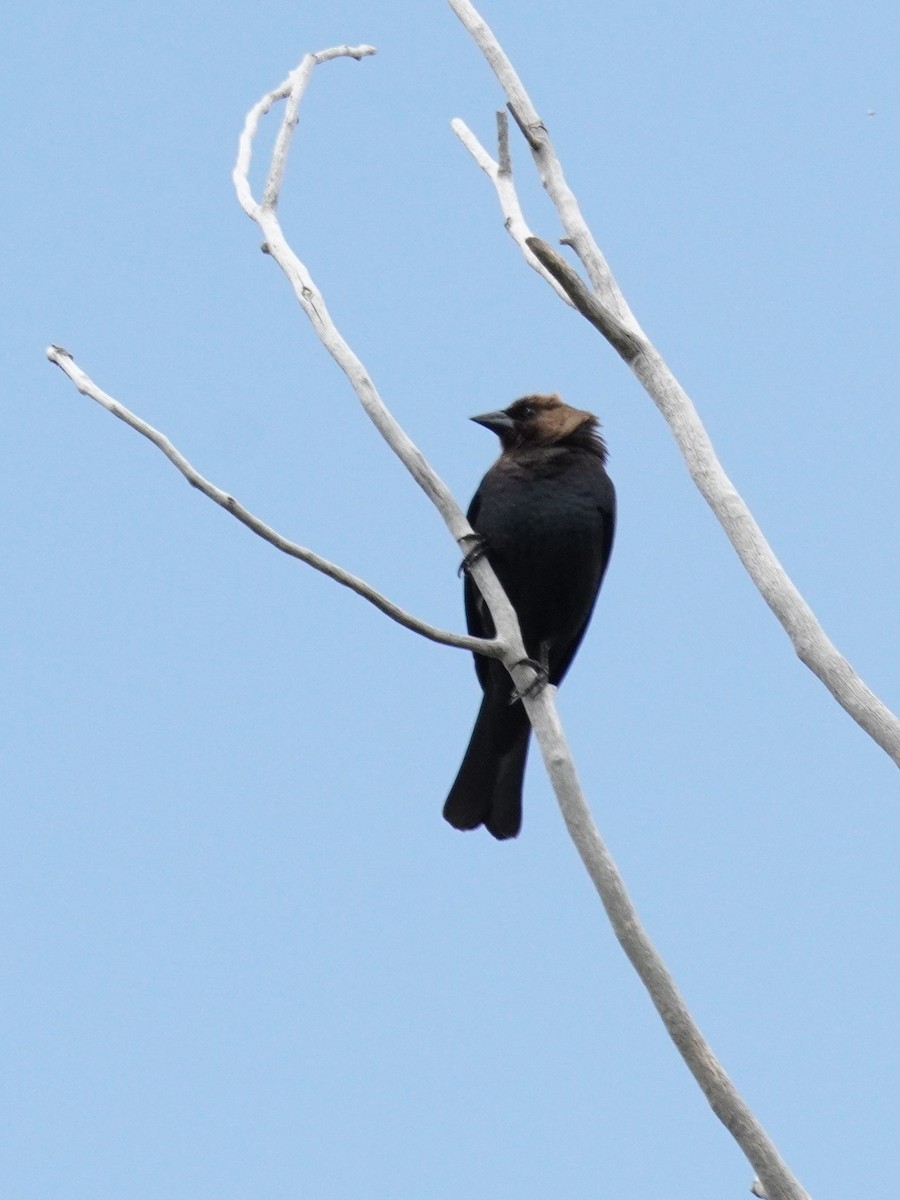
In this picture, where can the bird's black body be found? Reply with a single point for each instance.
(546, 512)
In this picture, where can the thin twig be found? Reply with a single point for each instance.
(493, 648)
(294, 87)
(500, 174)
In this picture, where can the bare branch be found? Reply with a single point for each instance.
(507, 645)
(548, 165)
(607, 310)
(501, 177)
(313, 304)
(64, 360)
(310, 298)
(723, 1097)
(294, 87)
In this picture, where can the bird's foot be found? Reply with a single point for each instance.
(537, 685)
(478, 550)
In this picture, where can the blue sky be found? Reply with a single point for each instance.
(243, 954)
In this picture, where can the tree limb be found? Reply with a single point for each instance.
(500, 175)
(548, 165)
(605, 307)
(722, 1095)
(493, 648)
(313, 304)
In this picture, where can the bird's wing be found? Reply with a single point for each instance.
(563, 655)
(478, 618)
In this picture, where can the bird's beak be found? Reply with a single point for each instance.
(498, 422)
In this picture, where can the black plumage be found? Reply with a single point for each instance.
(546, 513)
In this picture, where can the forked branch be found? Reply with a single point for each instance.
(602, 303)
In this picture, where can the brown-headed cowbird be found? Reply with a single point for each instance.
(545, 513)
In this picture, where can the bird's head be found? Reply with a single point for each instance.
(536, 421)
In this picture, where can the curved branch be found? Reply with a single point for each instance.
(311, 300)
(493, 648)
(294, 87)
(604, 306)
(308, 295)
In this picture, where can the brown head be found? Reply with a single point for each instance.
(536, 421)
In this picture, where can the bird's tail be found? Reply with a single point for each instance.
(488, 787)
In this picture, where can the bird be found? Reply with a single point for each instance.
(545, 516)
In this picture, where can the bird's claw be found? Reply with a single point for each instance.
(537, 685)
(477, 551)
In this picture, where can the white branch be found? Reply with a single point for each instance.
(307, 293)
(548, 165)
(500, 175)
(721, 1093)
(64, 360)
(606, 308)
(723, 1097)
(293, 87)
(508, 646)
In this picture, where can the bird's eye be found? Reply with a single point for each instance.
(527, 412)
